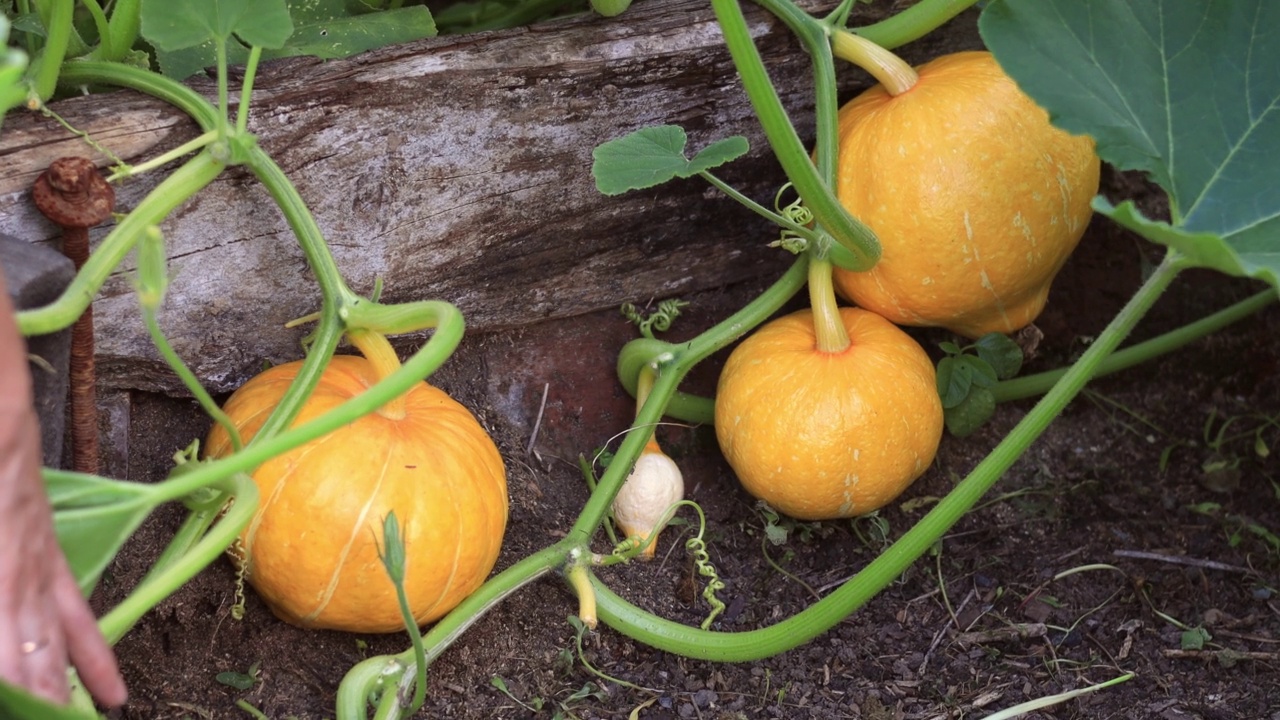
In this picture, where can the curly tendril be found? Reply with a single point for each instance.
(628, 548)
(238, 552)
(790, 240)
(660, 319)
(698, 548)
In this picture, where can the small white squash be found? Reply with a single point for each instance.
(654, 485)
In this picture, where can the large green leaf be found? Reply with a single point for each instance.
(1186, 90)
(327, 29)
(330, 29)
(1203, 249)
(18, 705)
(13, 63)
(94, 517)
(178, 24)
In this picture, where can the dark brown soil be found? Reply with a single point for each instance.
(979, 626)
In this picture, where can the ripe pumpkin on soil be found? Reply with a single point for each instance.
(825, 435)
(311, 550)
(976, 198)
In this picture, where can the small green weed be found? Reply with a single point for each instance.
(534, 705)
(1231, 439)
(1195, 638)
(559, 709)
(1238, 527)
(872, 531)
(241, 680)
(778, 529)
(966, 374)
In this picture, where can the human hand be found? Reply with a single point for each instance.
(45, 623)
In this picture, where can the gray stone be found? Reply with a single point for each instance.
(705, 698)
(36, 275)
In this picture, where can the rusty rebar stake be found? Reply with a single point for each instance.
(75, 197)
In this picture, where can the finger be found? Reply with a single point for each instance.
(46, 666)
(42, 651)
(33, 647)
(11, 670)
(88, 650)
(26, 665)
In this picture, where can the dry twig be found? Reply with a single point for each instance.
(1181, 560)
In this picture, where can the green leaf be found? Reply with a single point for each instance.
(1001, 353)
(1049, 600)
(1195, 638)
(239, 681)
(610, 8)
(182, 64)
(136, 58)
(588, 691)
(1264, 533)
(604, 457)
(326, 29)
(1202, 249)
(980, 371)
(392, 551)
(942, 376)
(93, 518)
(13, 64)
(1185, 91)
(954, 380)
(30, 23)
(963, 419)
(653, 155)
(179, 24)
(460, 17)
(775, 533)
(718, 153)
(15, 704)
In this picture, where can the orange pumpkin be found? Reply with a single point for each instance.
(823, 435)
(976, 198)
(311, 551)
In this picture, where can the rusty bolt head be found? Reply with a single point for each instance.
(72, 194)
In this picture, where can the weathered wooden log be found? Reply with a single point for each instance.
(455, 168)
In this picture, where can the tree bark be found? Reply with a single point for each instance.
(456, 168)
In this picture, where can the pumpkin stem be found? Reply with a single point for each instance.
(580, 581)
(644, 385)
(894, 73)
(828, 326)
(378, 351)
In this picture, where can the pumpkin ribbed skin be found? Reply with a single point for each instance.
(821, 435)
(312, 548)
(976, 198)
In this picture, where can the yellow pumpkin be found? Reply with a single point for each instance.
(823, 435)
(976, 198)
(311, 551)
